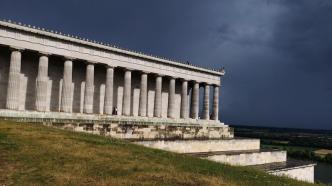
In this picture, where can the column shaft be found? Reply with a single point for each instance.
(206, 104)
(13, 89)
(66, 99)
(215, 110)
(89, 89)
(143, 95)
(109, 91)
(126, 94)
(195, 101)
(171, 99)
(184, 100)
(157, 100)
(42, 84)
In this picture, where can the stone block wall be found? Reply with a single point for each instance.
(253, 158)
(305, 173)
(196, 146)
(150, 132)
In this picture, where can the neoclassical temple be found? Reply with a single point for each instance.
(57, 75)
(82, 85)
(45, 71)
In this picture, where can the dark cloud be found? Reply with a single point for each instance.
(277, 53)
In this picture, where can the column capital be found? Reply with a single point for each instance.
(195, 81)
(44, 53)
(15, 48)
(90, 62)
(184, 79)
(90, 65)
(68, 58)
(144, 72)
(158, 75)
(128, 69)
(171, 77)
(206, 84)
(110, 66)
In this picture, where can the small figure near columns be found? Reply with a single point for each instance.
(143, 94)
(109, 90)
(184, 99)
(13, 89)
(42, 84)
(89, 89)
(157, 100)
(126, 93)
(206, 104)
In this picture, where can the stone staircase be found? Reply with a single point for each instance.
(240, 152)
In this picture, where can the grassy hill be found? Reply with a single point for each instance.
(32, 154)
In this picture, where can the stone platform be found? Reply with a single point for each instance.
(133, 128)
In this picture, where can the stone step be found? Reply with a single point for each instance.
(199, 146)
(296, 169)
(244, 157)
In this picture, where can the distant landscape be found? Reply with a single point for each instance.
(299, 143)
(305, 144)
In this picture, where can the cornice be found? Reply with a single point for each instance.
(105, 46)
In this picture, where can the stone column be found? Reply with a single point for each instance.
(66, 99)
(89, 89)
(195, 101)
(126, 93)
(215, 110)
(13, 89)
(184, 100)
(157, 99)
(143, 94)
(108, 108)
(171, 99)
(42, 84)
(206, 100)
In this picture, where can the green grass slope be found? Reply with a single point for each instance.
(32, 154)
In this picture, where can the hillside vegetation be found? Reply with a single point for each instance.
(32, 154)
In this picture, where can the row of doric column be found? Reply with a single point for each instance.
(66, 97)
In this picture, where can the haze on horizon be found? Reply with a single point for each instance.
(277, 53)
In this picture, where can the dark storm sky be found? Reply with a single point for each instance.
(277, 53)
